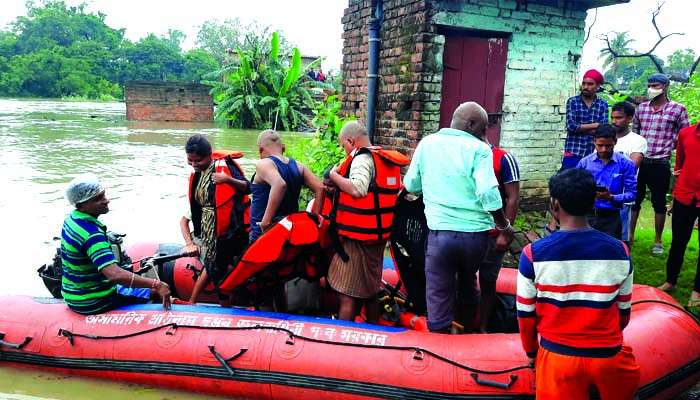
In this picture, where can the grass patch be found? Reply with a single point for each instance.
(650, 269)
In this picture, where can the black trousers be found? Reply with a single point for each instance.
(682, 225)
(607, 221)
(656, 175)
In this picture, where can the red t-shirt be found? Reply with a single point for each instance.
(687, 185)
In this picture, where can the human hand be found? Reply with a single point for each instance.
(190, 250)
(163, 291)
(606, 195)
(264, 226)
(669, 209)
(531, 362)
(503, 240)
(219, 178)
(676, 172)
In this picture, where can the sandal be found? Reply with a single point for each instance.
(692, 303)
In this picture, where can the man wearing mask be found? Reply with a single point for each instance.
(584, 113)
(658, 120)
(632, 145)
(616, 182)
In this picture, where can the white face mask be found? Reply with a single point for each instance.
(653, 93)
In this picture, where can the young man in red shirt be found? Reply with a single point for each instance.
(686, 208)
(574, 290)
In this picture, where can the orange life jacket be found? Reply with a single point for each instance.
(232, 207)
(288, 249)
(369, 218)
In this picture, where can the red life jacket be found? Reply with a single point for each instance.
(289, 249)
(369, 218)
(232, 207)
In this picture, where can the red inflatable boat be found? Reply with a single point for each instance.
(249, 354)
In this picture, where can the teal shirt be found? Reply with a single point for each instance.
(85, 251)
(454, 172)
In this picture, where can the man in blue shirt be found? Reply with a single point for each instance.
(616, 180)
(584, 113)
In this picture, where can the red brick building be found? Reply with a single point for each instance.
(168, 101)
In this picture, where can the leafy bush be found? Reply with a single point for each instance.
(688, 94)
(262, 91)
(322, 151)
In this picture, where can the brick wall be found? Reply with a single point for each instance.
(168, 101)
(545, 44)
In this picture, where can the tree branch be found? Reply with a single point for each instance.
(692, 69)
(649, 53)
(590, 28)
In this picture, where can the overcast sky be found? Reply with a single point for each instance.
(315, 27)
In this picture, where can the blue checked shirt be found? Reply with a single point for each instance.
(577, 114)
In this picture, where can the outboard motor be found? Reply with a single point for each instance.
(51, 273)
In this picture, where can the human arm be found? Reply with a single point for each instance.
(412, 180)
(572, 125)
(624, 295)
(680, 155)
(629, 184)
(359, 177)
(526, 295)
(241, 185)
(190, 248)
(118, 275)
(636, 125)
(314, 184)
(266, 171)
(98, 249)
(637, 158)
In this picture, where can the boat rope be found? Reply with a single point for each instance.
(676, 306)
(418, 351)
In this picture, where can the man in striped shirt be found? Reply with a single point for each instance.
(574, 289)
(92, 282)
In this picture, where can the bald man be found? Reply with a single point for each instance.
(277, 184)
(357, 279)
(453, 169)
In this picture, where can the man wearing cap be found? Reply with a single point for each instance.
(92, 282)
(658, 120)
(584, 113)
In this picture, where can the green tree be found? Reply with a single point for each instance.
(215, 37)
(152, 58)
(680, 61)
(620, 44)
(197, 64)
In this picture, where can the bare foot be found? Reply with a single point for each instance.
(666, 287)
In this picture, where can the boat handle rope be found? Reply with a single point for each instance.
(225, 361)
(499, 385)
(676, 306)
(18, 346)
(290, 341)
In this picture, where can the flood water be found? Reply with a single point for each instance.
(44, 145)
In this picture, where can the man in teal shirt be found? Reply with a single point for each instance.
(91, 281)
(453, 170)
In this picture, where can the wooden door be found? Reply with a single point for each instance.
(474, 70)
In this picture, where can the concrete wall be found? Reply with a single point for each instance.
(168, 101)
(543, 53)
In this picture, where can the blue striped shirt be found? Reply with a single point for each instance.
(577, 114)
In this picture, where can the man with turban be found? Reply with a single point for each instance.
(92, 282)
(658, 121)
(584, 113)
